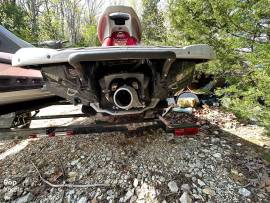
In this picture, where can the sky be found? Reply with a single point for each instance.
(135, 4)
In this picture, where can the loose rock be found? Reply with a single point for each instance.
(216, 132)
(27, 198)
(72, 176)
(185, 198)
(127, 196)
(135, 182)
(244, 192)
(185, 187)
(83, 200)
(208, 191)
(173, 186)
(133, 199)
(217, 155)
(201, 183)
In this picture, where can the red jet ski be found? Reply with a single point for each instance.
(122, 77)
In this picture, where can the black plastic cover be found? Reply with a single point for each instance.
(119, 18)
(10, 43)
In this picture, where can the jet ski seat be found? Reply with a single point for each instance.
(119, 26)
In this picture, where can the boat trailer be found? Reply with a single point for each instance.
(176, 130)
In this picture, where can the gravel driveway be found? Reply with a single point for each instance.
(214, 166)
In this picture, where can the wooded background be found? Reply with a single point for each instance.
(239, 30)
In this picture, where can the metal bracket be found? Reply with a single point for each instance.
(166, 67)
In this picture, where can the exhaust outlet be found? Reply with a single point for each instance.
(126, 98)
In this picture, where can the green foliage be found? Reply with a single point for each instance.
(89, 36)
(266, 156)
(14, 18)
(50, 28)
(233, 28)
(154, 31)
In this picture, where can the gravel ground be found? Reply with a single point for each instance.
(214, 166)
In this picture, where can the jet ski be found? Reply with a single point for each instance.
(121, 77)
(17, 84)
(15, 78)
(21, 90)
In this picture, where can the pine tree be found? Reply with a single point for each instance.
(154, 30)
(239, 32)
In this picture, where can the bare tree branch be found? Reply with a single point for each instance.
(66, 185)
